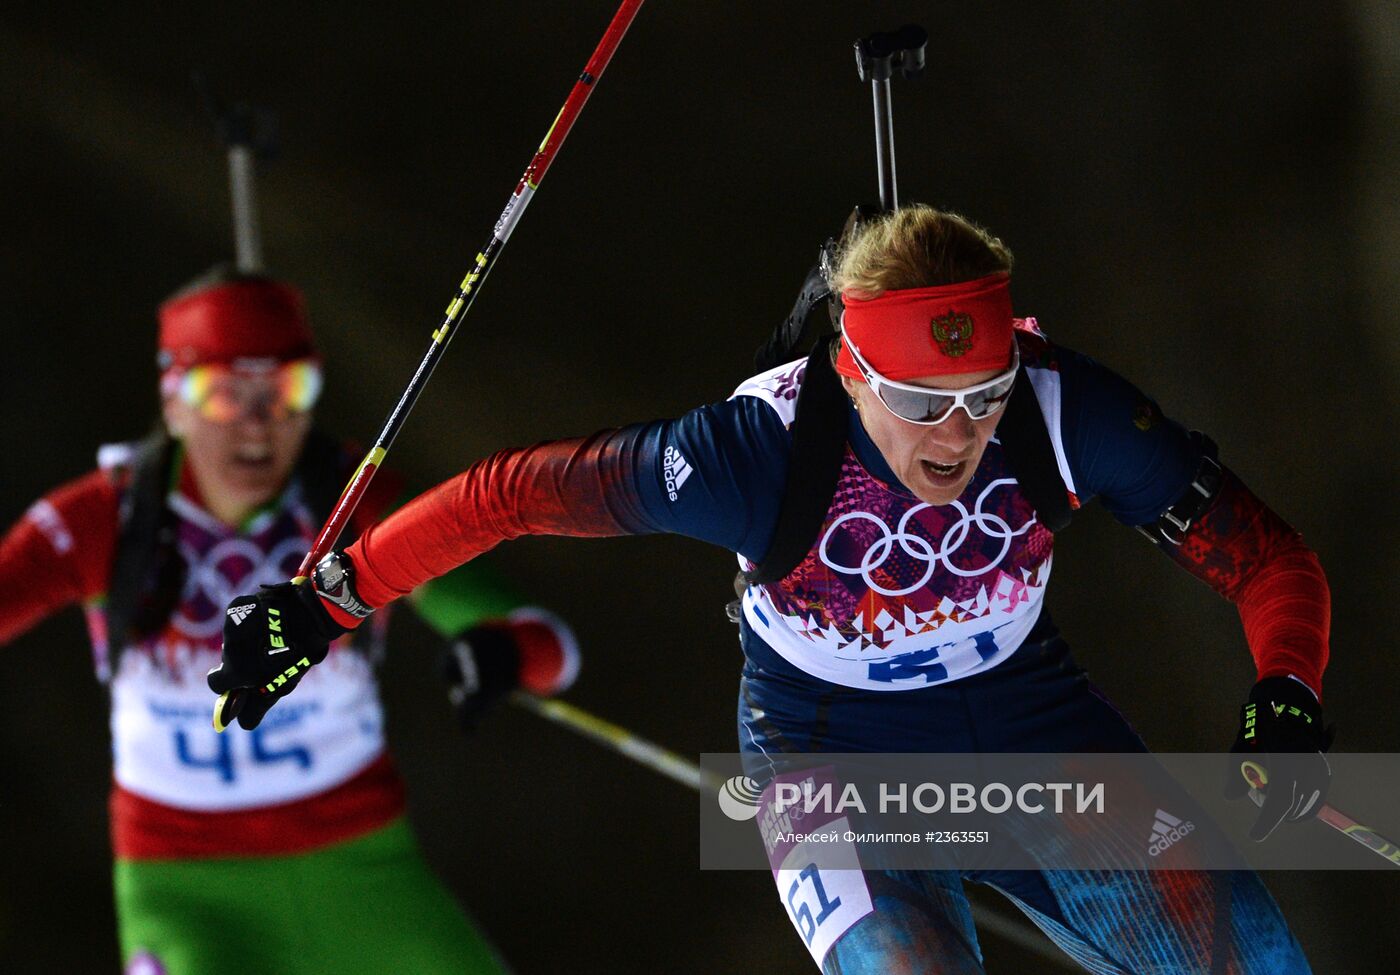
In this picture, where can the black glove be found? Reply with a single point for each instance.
(271, 639)
(1281, 730)
(481, 666)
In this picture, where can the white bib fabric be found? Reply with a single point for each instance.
(897, 594)
(163, 742)
(165, 748)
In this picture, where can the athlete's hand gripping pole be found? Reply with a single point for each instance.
(231, 701)
(1281, 730)
(1258, 779)
(271, 639)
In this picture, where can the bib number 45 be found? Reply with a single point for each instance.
(220, 757)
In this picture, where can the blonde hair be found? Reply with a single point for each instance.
(916, 246)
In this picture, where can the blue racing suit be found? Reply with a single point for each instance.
(910, 627)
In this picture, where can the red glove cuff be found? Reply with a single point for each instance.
(549, 652)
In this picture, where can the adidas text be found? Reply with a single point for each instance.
(676, 469)
(1166, 830)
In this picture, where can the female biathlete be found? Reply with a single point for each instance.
(937, 645)
(239, 838)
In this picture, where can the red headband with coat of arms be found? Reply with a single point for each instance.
(914, 332)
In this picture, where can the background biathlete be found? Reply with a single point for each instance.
(246, 835)
(941, 643)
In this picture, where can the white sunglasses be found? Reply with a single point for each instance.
(929, 407)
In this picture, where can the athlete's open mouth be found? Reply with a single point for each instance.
(250, 455)
(941, 472)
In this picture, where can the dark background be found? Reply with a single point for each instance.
(1202, 195)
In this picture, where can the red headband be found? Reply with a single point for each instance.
(914, 332)
(254, 318)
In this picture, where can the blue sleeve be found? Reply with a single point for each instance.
(1119, 445)
(715, 474)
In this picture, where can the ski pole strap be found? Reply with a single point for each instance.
(1025, 440)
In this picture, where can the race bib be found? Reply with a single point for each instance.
(815, 867)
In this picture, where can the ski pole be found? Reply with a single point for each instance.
(620, 740)
(1258, 778)
(231, 702)
(878, 56)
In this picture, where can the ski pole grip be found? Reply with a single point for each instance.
(226, 708)
(1255, 774)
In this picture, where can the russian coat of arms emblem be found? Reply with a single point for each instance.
(953, 333)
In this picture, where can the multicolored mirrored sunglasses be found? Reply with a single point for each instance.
(222, 393)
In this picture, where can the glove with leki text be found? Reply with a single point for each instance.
(532, 650)
(1281, 730)
(274, 636)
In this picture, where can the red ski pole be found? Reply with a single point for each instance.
(231, 702)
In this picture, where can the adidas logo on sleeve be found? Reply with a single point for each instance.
(676, 470)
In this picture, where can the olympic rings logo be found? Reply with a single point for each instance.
(211, 576)
(921, 549)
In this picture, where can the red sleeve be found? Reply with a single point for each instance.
(59, 552)
(568, 487)
(1255, 559)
